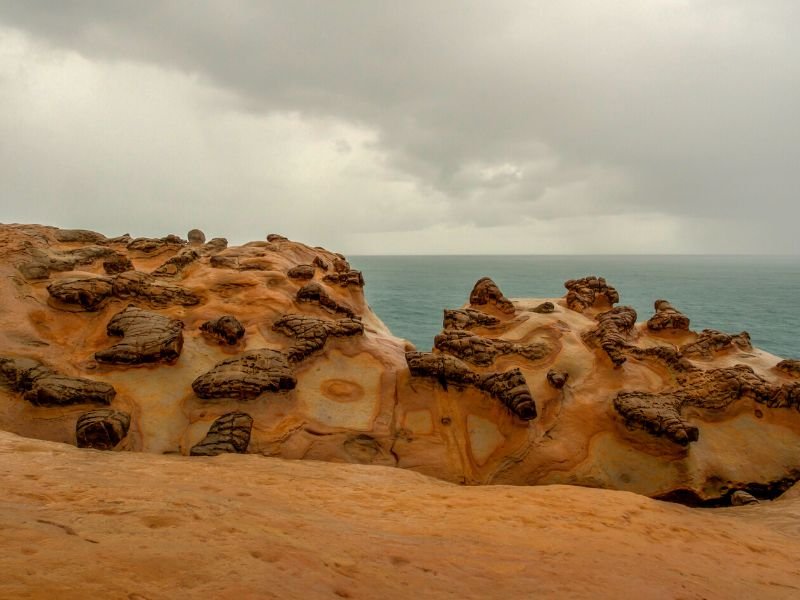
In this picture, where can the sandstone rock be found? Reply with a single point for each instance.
(79, 235)
(742, 498)
(301, 272)
(148, 337)
(345, 278)
(226, 329)
(224, 262)
(247, 376)
(274, 237)
(710, 341)
(320, 263)
(102, 429)
(228, 434)
(486, 292)
(116, 264)
(312, 333)
(42, 262)
(196, 237)
(340, 264)
(613, 332)
(590, 292)
(34, 270)
(482, 351)
(42, 386)
(142, 286)
(314, 292)
(152, 245)
(544, 308)
(467, 319)
(176, 264)
(88, 293)
(217, 244)
(558, 379)
(790, 367)
(667, 317)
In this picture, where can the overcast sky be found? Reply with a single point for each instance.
(658, 126)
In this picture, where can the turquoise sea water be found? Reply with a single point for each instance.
(757, 294)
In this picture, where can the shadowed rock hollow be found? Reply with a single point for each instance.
(517, 391)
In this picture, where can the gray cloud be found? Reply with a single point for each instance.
(490, 114)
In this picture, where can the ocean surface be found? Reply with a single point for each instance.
(757, 294)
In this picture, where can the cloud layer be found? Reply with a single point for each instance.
(566, 127)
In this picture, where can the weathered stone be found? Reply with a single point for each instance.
(544, 308)
(485, 292)
(88, 292)
(467, 319)
(196, 237)
(34, 270)
(217, 244)
(345, 279)
(482, 351)
(274, 237)
(224, 262)
(314, 292)
(116, 264)
(340, 264)
(148, 337)
(79, 235)
(558, 379)
(151, 245)
(710, 341)
(446, 369)
(312, 333)
(42, 386)
(226, 329)
(742, 498)
(228, 434)
(613, 332)
(319, 262)
(135, 284)
(790, 367)
(301, 272)
(590, 292)
(176, 264)
(247, 376)
(102, 429)
(667, 317)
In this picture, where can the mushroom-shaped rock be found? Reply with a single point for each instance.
(301, 272)
(135, 284)
(196, 237)
(485, 292)
(116, 264)
(226, 329)
(228, 434)
(590, 292)
(147, 337)
(468, 318)
(88, 292)
(667, 317)
(247, 376)
(482, 351)
(102, 429)
(42, 386)
(314, 293)
(312, 333)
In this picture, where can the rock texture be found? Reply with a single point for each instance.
(42, 386)
(147, 338)
(667, 317)
(225, 329)
(564, 390)
(102, 429)
(228, 434)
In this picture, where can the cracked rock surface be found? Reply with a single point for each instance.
(228, 434)
(147, 338)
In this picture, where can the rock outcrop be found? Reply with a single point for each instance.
(314, 292)
(790, 367)
(613, 332)
(486, 293)
(228, 434)
(42, 386)
(710, 341)
(345, 279)
(482, 351)
(301, 272)
(147, 338)
(667, 317)
(311, 333)
(156, 245)
(102, 429)
(247, 376)
(590, 292)
(468, 318)
(225, 329)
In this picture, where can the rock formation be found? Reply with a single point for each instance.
(315, 293)
(42, 386)
(590, 292)
(246, 376)
(667, 317)
(482, 351)
(345, 279)
(613, 332)
(711, 341)
(102, 429)
(228, 434)
(790, 367)
(147, 338)
(311, 333)
(485, 292)
(301, 272)
(467, 319)
(225, 329)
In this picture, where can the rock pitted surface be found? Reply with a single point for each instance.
(228, 434)
(790, 367)
(710, 341)
(147, 338)
(311, 334)
(301, 272)
(156, 245)
(88, 293)
(247, 376)
(176, 264)
(42, 386)
(468, 318)
(544, 308)
(613, 332)
(589, 292)
(84, 236)
(225, 329)
(345, 279)
(314, 292)
(142, 286)
(482, 351)
(117, 263)
(667, 317)
(486, 293)
(102, 429)
(557, 379)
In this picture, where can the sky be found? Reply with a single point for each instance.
(414, 127)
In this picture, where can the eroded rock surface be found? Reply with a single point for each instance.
(142, 286)
(156, 245)
(228, 434)
(590, 292)
(468, 318)
(314, 292)
(102, 429)
(345, 278)
(544, 308)
(196, 237)
(311, 333)
(485, 292)
(84, 236)
(667, 317)
(482, 351)
(42, 386)
(247, 376)
(174, 265)
(301, 272)
(88, 293)
(225, 329)
(116, 264)
(710, 341)
(613, 332)
(147, 337)
(790, 367)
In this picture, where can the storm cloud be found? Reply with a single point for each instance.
(437, 127)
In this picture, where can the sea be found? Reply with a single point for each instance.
(757, 294)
